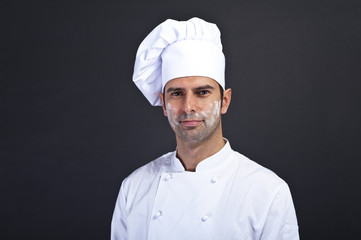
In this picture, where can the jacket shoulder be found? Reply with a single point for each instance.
(256, 173)
(150, 170)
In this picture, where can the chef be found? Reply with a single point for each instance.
(204, 189)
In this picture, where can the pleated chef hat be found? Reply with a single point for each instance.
(178, 49)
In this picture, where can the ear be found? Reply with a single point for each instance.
(227, 95)
(163, 106)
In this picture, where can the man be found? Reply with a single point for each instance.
(204, 189)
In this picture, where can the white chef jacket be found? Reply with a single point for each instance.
(228, 197)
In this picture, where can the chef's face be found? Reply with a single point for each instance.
(193, 107)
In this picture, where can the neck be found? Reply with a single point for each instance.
(192, 153)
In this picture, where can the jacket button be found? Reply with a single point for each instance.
(158, 214)
(168, 177)
(214, 179)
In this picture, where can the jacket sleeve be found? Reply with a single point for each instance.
(281, 221)
(119, 221)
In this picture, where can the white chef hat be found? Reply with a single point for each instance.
(178, 49)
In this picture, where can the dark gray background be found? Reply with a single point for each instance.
(73, 124)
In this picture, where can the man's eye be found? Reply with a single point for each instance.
(203, 92)
(176, 93)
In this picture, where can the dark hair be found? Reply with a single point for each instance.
(220, 90)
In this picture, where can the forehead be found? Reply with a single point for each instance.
(191, 82)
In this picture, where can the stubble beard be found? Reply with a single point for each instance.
(210, 123)
(196, 134)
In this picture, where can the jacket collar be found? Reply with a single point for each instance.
(208, 164)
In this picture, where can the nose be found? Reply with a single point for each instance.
(189, 104)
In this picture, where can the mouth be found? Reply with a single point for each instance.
(191, 122)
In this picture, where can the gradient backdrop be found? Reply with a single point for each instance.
(73, 124)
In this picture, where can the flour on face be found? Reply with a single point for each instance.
(171, 116)
(212, 114)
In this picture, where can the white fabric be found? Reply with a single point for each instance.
(178, 49)
(228, 197)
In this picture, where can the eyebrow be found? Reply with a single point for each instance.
(174, 89)
(204, 87)
(197, 88)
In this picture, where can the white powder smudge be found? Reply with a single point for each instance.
(171, 116)
(212, 114)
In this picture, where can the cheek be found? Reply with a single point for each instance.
(212, 109)
(171, 115)
(168, 110)
(212, 113)
(217, 108)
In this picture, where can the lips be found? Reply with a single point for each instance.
(191, 122)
